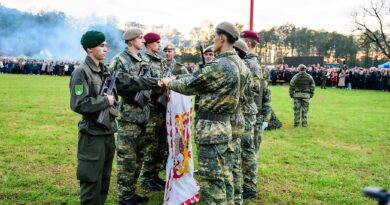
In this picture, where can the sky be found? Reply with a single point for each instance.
(331, 15)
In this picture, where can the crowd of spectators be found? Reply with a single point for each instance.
(37, 67)
(348, 78)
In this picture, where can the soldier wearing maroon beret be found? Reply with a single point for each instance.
(158, 148)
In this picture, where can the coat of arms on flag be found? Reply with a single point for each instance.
(181, 187)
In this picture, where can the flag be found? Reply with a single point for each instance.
(181, 187)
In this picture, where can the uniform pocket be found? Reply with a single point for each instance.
(88, 167)
(211, 160)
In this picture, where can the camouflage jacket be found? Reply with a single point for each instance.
(84, 86)
(157, 71)
(263, 102)
(217, 85)
(251, 62)
(175, 68)
(129, 111)
(302, 86)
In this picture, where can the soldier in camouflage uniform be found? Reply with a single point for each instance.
(239, 122)
(96, 144)
(158, 149)
(154, 156)
(171, 66)
(132, 120)
(301, 91)
(218, 85)
(255, 124)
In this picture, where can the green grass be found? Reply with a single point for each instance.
(345, 148)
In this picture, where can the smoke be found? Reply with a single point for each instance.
(52, 33)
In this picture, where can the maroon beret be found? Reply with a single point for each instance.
(250, 34)
(151, 37)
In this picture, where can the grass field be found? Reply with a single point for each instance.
(345, 148)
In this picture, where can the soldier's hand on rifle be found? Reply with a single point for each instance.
(111, 99)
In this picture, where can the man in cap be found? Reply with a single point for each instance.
(301, 91)
(218, 85)
(96, 144)
(153, 160)
(262, 99)
(239, 120)
(171, 66)
(132, 121)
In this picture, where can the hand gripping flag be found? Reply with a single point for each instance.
(181, 187)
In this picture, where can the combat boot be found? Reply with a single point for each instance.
(159, 181)
(140, 198)
(248, 194)
(128, 202)
(151, 185)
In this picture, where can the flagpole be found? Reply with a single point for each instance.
(251, 16)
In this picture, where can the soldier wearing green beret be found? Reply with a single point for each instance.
(96, 143)
(218, 85)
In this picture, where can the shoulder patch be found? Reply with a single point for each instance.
(79, 89)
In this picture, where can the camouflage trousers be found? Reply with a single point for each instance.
(301, 107)
(130, 153)
(157, 149)
(249, 148)
(215, 164)
(238, 127)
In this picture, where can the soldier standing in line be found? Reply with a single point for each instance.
(171, 66)
(96, 143)
(262, 99)
(238, 120)
(160, 156)
(301, 91)
(132, 121)
(153, 160)
(218, 85)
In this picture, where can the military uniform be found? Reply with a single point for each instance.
(155, 151)
(217, 84)
(96, 144)
(238, 121)
(131, 139)
(301, 90)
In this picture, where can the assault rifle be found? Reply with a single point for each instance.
(142, 97)
(202, 55)
(379, 194)
(108, 88)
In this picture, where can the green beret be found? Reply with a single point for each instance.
(92, 39)
(131, 34)
(241, 45)
(230, 29)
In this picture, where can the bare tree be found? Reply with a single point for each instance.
(373, 24)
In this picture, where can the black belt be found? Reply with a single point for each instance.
(213, 116)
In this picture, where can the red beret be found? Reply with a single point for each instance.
(250, 34)
(151, 37)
